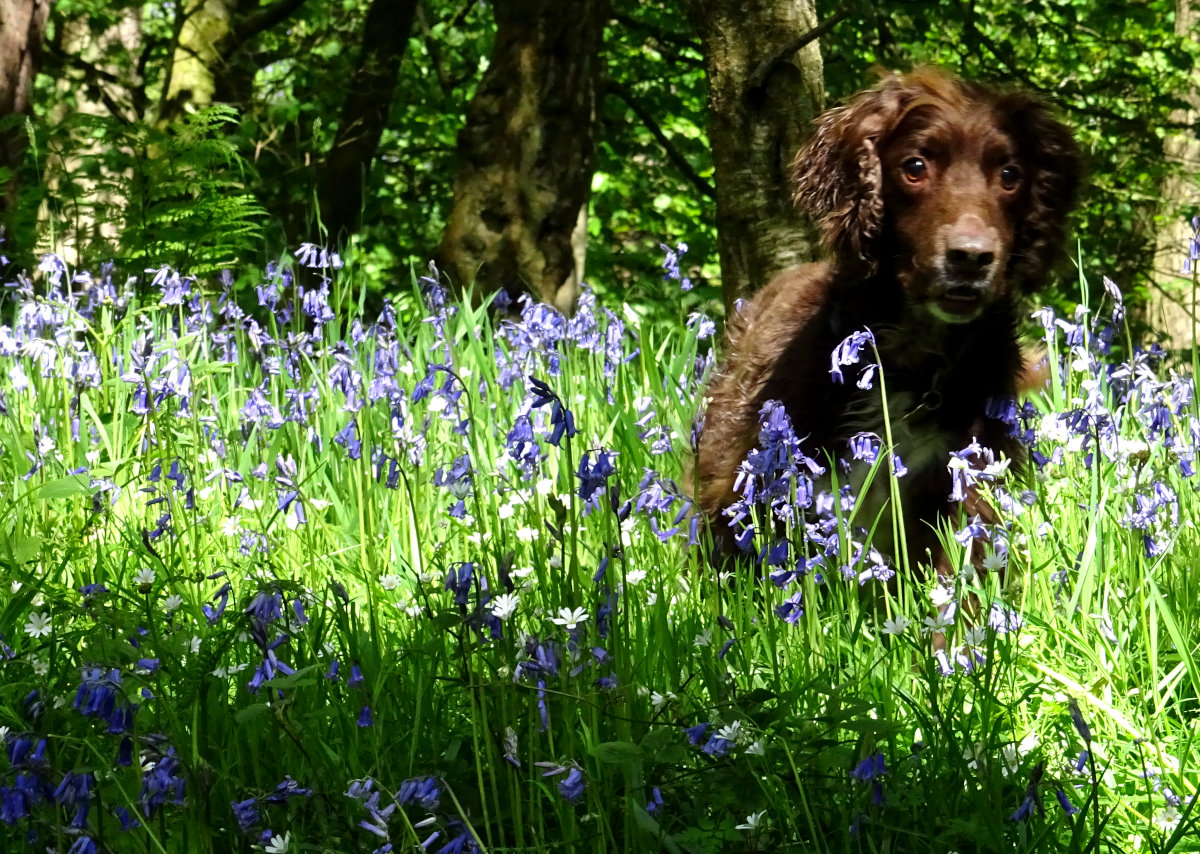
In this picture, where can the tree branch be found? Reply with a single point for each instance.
(264, 18)
(758, 79)
(679, 40)
(673, 153)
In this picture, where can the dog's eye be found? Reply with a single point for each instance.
(914, 169)
(1010, 176)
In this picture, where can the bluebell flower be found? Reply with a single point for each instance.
(594, 475)
(562, 420)
(266, 606)
(364, 717)
(90, 591)
(457, 479)
(74, 791)
(847, 352)
(125, 752)
(459, 579)
(1004, 620)
(543, 709)
(791, 609)
(126, 818)
(162, 784)
(420, 790)
(716, 746)
(865, 447)
(317, 257)
(869, 768)
(347, 438)
(99, 696)
(1065, 802)
(655, 803)
(522, 447)
(1025, 811)
(286, 790)
(1081, 726)
(246, 814)
(221, 598)
(461, 843)
(670, 265)
(572, 787)
(83, 845)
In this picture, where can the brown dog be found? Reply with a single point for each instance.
(940, 201)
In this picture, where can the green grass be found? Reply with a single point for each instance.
(522, 733)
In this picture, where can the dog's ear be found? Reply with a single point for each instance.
(1053, 163)
(838, 176)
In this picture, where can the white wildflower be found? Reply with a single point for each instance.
(390, 581)
(504, 605)
(569, 619)
(753, 821)
(38, 625)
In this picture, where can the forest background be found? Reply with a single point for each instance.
(532, 149)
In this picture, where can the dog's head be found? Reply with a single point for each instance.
(958, 191)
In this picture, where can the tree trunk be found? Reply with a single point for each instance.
(1173, 304)
(22, 33)
(527, 152)
(203, 26)
(758, 114)
(364, 114)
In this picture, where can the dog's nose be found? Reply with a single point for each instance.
(970, 248)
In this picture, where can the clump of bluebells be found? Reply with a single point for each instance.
(294, 538)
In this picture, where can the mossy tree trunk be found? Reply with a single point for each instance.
(761, 99)
(527, 153)
(364, 114)
(1173, 304)
(22, 38)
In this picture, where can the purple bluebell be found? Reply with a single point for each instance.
(1065, 802)
(572, 787)
(594, 473)
(162, 784)
(100, 696)
(670, 265)
(1081, 726)
(716, 746)
(847, 352)
(424, 791)
(869, 768)
(246, 814)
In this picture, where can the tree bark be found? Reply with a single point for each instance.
(204, 26)
(364, 114)
(758, 115)
(527, 153)
(22, 35)
(1173, 302)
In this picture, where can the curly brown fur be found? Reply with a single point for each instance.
(940, 202)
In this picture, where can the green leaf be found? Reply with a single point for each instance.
(63, 487)
(617, 753)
